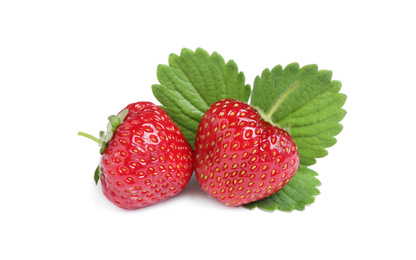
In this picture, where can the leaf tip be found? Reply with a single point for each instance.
(201, 51)
(250, 206)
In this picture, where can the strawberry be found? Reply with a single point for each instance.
(145, 157)
(239, 157)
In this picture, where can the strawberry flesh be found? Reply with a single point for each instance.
(147, 160)
(240, 158)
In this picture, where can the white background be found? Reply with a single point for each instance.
(67, 65)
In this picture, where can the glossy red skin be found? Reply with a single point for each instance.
(147, 160)
(239, 157)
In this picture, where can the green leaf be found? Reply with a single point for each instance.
(299, 192)
(304, 101)
(192, 82)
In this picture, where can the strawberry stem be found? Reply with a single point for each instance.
(90, 137)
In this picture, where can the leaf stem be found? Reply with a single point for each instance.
(280, 100)
(90, 137)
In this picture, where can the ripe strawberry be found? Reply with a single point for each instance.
(145, 157)
(239, 157)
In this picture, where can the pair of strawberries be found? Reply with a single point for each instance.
(239, 158)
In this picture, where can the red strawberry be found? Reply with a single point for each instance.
(239, 157)
(145, 157)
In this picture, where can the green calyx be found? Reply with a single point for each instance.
(105, 137)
